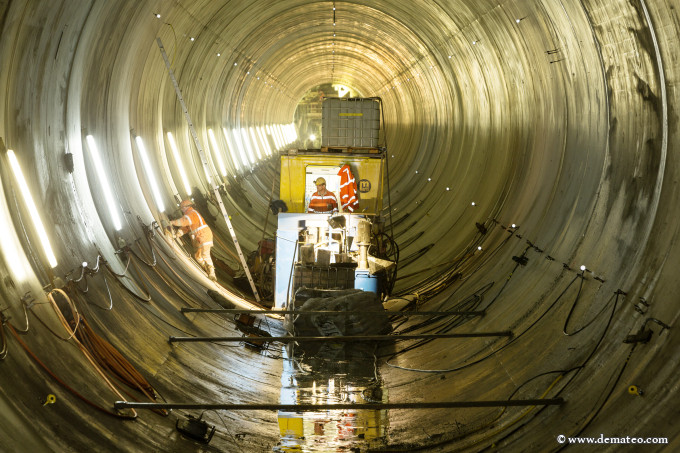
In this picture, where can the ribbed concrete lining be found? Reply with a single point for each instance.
(558, 123)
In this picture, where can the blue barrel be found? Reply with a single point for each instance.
(364, 281)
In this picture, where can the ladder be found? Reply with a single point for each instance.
(204, 161)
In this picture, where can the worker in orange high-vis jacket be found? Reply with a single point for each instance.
(322, 201)
(201, 235)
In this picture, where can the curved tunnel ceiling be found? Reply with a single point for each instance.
(557, 117)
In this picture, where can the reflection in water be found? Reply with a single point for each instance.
(322, 381)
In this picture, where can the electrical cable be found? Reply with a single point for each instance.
(227, 429)
(582, 366)
(509, 342)
(573, 307)
(609, 394)
(65, 385)
(3, 339)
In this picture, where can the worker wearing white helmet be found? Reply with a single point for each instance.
(322, 201)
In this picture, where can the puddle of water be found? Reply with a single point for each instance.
(321, 381)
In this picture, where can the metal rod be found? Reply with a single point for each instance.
(341, 406)
(331, 312)
(343, 338)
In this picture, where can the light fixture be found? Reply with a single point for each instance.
(285, 131)
(246, 144)
(429, 179)
(282, 134)
(263, 139)
(276, 133)
(448, 188)
(279, 131)
(30, 205)
(473, 203)
(479, 247)
(232, 149)
(178, 161)
(219, 54)
(108, 194)
(158, 16)
(150, 174)
(218, 153)
(235, 64)
(583, 268)
(192, 38)
(253, 140)
(241, 150)
(270, 131)
(84, 263)
(312, 137)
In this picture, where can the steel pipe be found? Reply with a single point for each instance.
(342, 406)
(330, 312)
(347, 338)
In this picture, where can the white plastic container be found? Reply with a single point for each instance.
(350, 123)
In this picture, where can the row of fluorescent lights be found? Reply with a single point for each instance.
(251, 145)
(246, 146)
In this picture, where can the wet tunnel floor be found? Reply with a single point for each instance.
(323, 382)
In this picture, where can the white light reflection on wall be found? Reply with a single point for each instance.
(10, 245)
(256, 146)
(150, 174)
(32, 209)
(263, 139)
(218, 153)
(178, 161)
(242, 153)
(232, 149)
(246, 144)
(104, 182)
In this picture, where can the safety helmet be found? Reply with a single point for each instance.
(186, 203)
(320, 181)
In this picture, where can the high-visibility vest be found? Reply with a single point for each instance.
(348, 189)
(192, 222)
(323, 204)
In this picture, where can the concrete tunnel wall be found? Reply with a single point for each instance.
(558, 116)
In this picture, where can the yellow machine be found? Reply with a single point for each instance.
(299, 170)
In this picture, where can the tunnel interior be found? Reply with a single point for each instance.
(532, 176)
